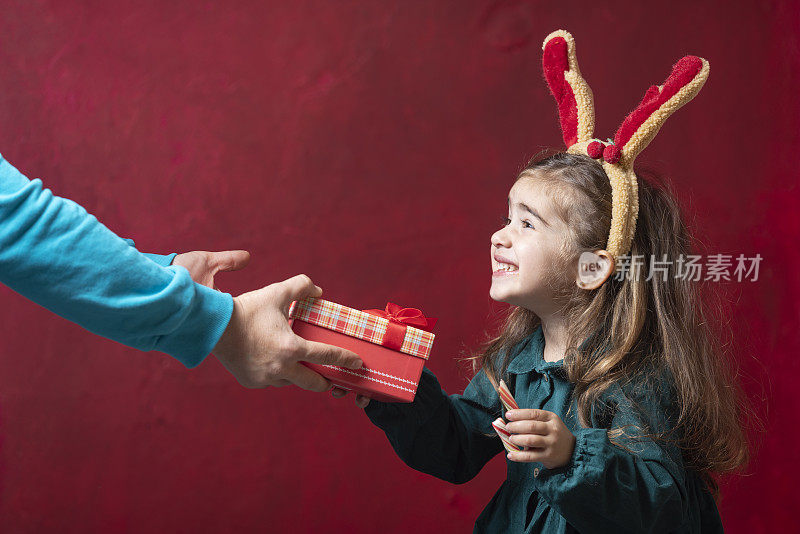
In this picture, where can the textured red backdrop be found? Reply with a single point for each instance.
(370, 145)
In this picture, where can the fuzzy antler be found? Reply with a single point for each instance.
(576, 112)
(572, 93)
(642, 124)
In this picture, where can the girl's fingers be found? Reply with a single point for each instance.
(537, 415)
(529, 440)
(528, 427)
(526, 456)
(361, 400)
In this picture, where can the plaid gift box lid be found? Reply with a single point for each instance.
(359, 324)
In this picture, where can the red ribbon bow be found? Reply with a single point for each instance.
(399, 321)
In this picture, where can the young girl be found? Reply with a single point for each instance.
(627, 408)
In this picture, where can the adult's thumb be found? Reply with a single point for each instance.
(323, 354)
(231, 260)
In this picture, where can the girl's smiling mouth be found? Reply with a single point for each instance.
(503, 266)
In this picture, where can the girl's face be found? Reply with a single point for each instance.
(526, 265)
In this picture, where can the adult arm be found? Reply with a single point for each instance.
(56, 254)
(164, 260)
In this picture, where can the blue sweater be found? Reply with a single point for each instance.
(56, 254)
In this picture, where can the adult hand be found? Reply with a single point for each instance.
(260, 349)
(544, 433)
(202, 265)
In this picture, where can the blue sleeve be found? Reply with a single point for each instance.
(59, 256)
(639, 486)
(165, 260)
(449, 437)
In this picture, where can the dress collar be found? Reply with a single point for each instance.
(530, 355)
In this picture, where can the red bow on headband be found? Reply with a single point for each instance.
(399, 321)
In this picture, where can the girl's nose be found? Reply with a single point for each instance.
(500, 238)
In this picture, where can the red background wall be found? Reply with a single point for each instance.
(370, 145)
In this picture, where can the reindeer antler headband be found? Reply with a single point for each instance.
(576, 113)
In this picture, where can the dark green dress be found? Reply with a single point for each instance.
(604, 488)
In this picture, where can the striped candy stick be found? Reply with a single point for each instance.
(499, 425)
(500, 428)
(507, 398)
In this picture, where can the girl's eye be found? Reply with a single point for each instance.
(525, 224)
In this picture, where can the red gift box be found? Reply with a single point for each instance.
(391, 343)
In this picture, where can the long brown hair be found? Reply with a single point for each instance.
(632, 327)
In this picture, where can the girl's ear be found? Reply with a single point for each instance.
(594, 268)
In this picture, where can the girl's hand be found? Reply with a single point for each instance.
(361, 400)
(549, 439)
